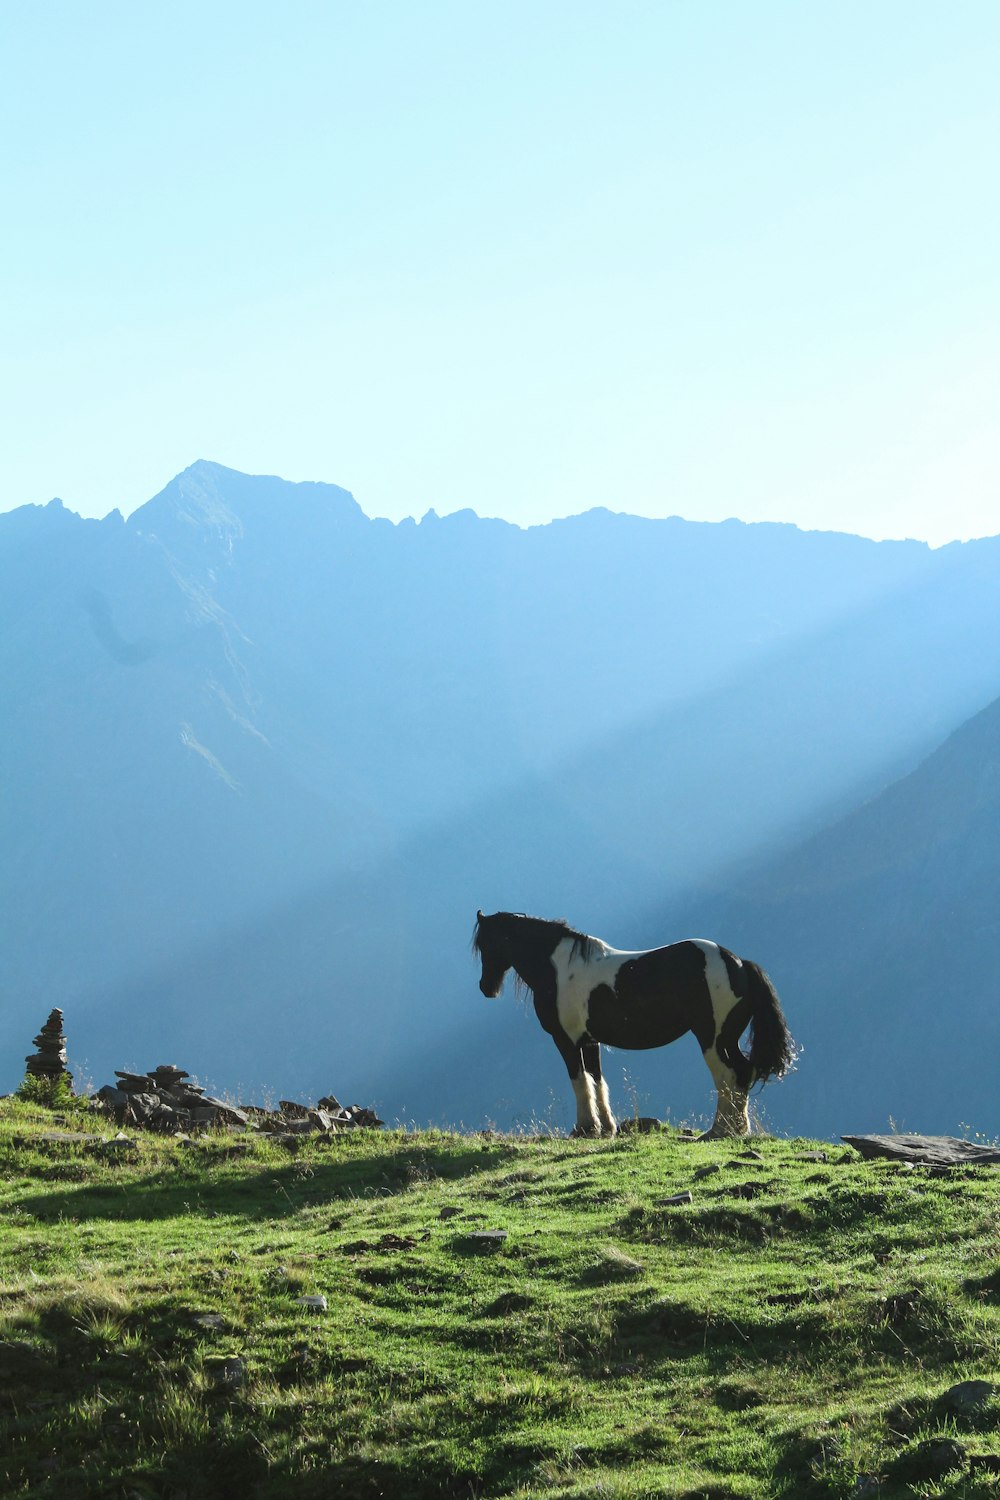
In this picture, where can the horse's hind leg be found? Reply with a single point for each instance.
(731, 1111)
(592, 1065)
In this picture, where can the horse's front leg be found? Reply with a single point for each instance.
(588, 1121)
(592, 1064)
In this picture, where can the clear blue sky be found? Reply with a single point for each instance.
(698, 258)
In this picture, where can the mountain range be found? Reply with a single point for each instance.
(264, 757)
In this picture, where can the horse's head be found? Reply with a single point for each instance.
(492, 943)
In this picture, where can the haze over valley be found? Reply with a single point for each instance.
(266, 756)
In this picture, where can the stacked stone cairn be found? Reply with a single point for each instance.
(49, 1062)
(165, 1099)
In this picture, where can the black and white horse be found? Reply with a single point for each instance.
(586, 993)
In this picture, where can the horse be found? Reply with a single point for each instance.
(587, 994)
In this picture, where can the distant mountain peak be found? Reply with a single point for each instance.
(208, 497)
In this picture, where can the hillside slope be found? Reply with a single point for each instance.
(425, 1315)
(879, 932)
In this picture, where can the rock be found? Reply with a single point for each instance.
(110, 1095)
(708, 1170)
(449, 1213)
(330, 1102)
(925, 1150)
(639, 1125)
(56, 1138)
(211, 1321)
(747, 1189)
(167, 1075)
(226, 1112)
(932, 1459)
(133, 1081)
(485, 1239)
(140, 1108)
(984, 1463)
(203, 1114)
(314, 1304)
(120, 1146)
(226, 1373)
(675, 1200)
(366, 1118)
(969, 1396)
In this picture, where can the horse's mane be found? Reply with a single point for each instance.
(583, 946)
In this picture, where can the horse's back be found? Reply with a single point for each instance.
(637, 1000)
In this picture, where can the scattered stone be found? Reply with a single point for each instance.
(970, 1396)
(925, 1150)
(450, 1213)
(933, 1458)
(117, 1098)
(120, 1144)
(750, 1155)
(226, 1373)
(708, 1170)
(313, 1304)
(486, 1239)
(362, 1118)
(984, 1463)
(49, 1062)
(811, 1156)
(639, 1125)
(747, 1189)
(211, 1321)
(57, 1138)
(386, 1242)
(675, 1200)
(330, 1102)
(304, 1119)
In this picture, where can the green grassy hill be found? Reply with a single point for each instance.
(792, 1329)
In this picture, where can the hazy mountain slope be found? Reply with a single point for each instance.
(880, 932)
(267, 756)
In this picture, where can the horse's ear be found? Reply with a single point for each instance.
(479, 916)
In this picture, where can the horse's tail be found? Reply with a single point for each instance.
(772, 1051)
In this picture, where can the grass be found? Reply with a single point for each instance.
(793, 1328)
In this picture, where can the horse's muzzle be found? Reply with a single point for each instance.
(490, 994)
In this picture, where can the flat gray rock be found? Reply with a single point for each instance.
(925, 1150)
(313, 1304)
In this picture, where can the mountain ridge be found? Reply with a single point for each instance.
(249, 705)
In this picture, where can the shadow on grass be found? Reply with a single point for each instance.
(197, 1186)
